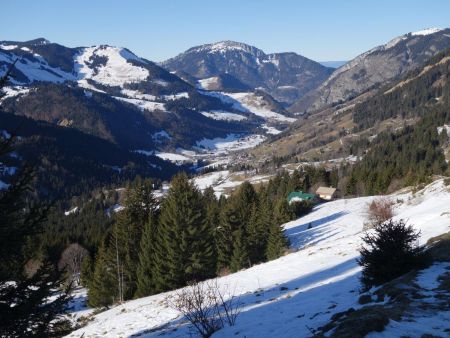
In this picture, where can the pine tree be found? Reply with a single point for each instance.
(276, 243)
(184, 250)
(87, 271)
(223, 237)
(282, 213)
(145, 284)
(258, 230)
(24, 309)
(140, 206)
(245, 200)
(103, 288)
(390, 251)
(240, 258)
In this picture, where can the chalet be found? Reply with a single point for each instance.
(326, 193)
(300, 196)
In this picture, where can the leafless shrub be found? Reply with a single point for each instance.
(206, 307)
(379, 211)
(224, 272)
(71, 260)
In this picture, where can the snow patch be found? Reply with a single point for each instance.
(5, 134)
(36, 69)
(426, 31)
(207, 83)
(8, 47)
(271, 130)
(160, 135)
(3, 185)
(177, 96)
(256, 105)
(232, 142)
(71, 211)
(143, 104)
(223, 115)
(173, 157)
(14, 91)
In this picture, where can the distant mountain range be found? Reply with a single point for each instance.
(206, 93)
(111, 93)
(285, 76)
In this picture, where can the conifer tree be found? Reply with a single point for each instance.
(140, 206)
(87, 271)
(228, 224)
(258, 230)
(240, 258)
(245, 200)
(145, 284)
(276, 243)
(184, 250)
(103, 288)
(282, 213)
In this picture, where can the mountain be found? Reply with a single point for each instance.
(418, 101)
(333, 64)
(375, 67)
(111, 93)
(285, 76)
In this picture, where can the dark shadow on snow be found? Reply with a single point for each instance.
(300, 235)
(276, 297)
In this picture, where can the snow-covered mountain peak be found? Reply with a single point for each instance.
(109, 65)
(227, 46)
(426, 31)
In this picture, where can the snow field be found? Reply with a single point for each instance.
(302, 290)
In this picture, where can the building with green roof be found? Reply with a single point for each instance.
(299, 196)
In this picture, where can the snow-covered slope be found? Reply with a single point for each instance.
(256, 103)
(301, 291)
(115, 71)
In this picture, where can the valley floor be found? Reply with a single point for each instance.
(296, 294)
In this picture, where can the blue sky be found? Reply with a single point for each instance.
(159, 29)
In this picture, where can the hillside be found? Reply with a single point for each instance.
(68, 162)
(376, 67)
(285, 76)
(112, 93)
(298, 293)
(352, 127)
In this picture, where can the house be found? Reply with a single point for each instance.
(300, 196)
(326, 193)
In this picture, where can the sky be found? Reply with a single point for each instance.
(322, 30)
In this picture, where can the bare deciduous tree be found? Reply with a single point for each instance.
(379, 211)
(206, 306)
(71, 260)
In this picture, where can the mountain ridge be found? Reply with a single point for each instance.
(376, 66)
(285, 76)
